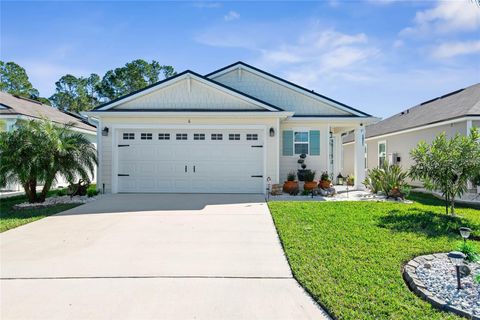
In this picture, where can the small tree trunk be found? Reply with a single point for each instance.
(31, 190)
(452, 210)
(446, 202)
(45, 189)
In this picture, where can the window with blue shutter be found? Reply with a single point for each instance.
(314, 142)
(287, 143)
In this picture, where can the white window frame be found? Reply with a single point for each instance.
(301, 142)
(378, 151)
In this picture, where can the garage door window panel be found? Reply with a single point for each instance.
(182, 136)
(129, 136)
(234, 136)
(198, 136)
(252, 136)
(146, 136)
(216, 136)
(164, 136)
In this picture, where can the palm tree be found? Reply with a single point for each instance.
(39, 152)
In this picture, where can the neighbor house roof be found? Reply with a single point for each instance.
(20, 106)
(457, 104)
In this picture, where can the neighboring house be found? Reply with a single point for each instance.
(14, 107)
(226, 132)
(392, 139)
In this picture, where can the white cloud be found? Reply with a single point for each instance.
(452, 49)
(382, 2)
(398, 44)
(446, 17)
(232, 15)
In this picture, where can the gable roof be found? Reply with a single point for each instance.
(180, 76)
(241, 64)
(20, 106)
(457, 104)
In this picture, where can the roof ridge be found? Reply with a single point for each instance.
(290, 83)
(188, 71)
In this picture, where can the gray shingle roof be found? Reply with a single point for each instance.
(461, 103)
(13, 105)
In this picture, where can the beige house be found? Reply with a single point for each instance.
(13, 108)
(392, 139)
(234, 130)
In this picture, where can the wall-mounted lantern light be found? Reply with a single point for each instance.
(105, 132)
(272, 132)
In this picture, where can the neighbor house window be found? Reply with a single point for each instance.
(164, 136)
(217, 136)
(199, 136)
(301, 142)
(182, 136)
(382, 153)
(252, 136)
(234, 136)
(129, 136)
(146, 136)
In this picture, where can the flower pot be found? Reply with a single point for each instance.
(290, 186)
(324, 184)
(310, 185)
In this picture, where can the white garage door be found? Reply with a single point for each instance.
(184, 161)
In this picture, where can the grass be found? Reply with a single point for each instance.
(10, 218)
(349, 255)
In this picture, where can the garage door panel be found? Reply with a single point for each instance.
(213, 166)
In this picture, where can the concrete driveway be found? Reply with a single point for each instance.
(151, 256)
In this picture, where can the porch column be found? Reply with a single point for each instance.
(359, 165)
(337, 155)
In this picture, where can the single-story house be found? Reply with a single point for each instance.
(392, 139)
(14, 107)
(234, 130)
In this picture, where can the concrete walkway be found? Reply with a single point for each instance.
(151, 256)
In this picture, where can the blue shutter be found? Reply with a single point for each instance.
(287, 143)
(314, 142)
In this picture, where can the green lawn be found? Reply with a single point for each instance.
(349, 255)
(10, 218)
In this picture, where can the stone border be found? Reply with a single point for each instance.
(409, 273)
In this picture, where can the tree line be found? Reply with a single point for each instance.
(77, 94)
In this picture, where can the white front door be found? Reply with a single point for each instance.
(185, 161)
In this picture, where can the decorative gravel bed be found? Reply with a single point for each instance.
(54, 201)
(433, 277)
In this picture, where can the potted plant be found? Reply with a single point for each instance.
(309, 180)
(325, 181)
(350, 181)
(290, 185)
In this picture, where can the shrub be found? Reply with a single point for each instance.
(310, 175)
(470, 251)
(291, 176)
(92, 190)
(387, 178)
(61, 192)
(324, 176)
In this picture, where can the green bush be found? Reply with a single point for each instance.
(92, 190)
(61, 192)
(468, 249)
(387, 178)
(309, 175)
(291, 176)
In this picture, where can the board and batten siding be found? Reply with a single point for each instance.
(317, 162)
(188, 94)
(278, 95)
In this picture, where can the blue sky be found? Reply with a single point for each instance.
(381, 56)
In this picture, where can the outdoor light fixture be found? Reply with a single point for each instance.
(105, 132)
(272, 132)
(457, 258)
(465, 233)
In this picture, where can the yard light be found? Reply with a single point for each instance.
(105, 132)
(272, 132)
(457, 258)
(465, 233)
